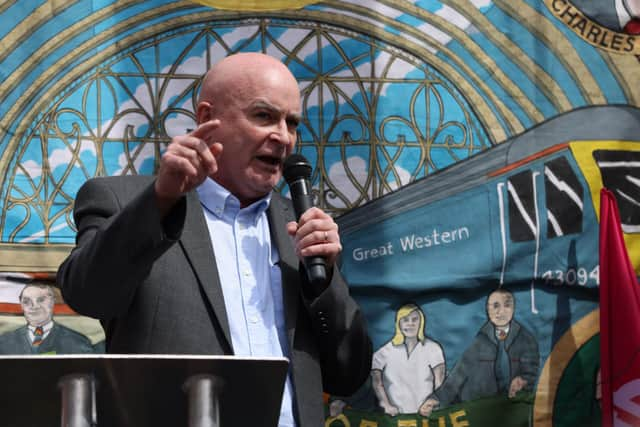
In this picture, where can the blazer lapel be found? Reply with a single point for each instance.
(279, 213)
(196, 243)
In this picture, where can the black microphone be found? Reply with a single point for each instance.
(297, 171)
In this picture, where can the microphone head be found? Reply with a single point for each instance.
(296, 166)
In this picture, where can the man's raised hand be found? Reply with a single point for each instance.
(187, 162)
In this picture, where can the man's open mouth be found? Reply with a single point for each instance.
(272, 160)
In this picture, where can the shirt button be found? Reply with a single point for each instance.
(253, 319)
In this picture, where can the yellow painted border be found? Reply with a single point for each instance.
(32, 258)
(561, 354)
(256, 5)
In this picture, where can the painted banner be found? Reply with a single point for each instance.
(461, 145)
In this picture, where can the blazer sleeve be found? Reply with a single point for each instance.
(343, 341)
(120, 235)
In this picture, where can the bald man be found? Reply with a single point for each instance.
(205, 258)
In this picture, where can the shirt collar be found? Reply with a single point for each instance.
(45, 328)
(219, 201)
(503, 330)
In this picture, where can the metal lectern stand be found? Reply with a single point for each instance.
(141, 390)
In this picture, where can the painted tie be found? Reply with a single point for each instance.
(502, 364)
(37, 336)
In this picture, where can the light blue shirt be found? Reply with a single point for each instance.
(250, 277)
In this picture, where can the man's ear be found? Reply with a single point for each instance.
(204, 112)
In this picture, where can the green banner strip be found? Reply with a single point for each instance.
(488, 412)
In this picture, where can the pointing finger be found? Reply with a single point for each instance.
(204, 129)
(210, 157)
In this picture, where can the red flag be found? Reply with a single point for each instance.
(619, 322)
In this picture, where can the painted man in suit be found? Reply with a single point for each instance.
(41, 334)
(503, 359)
(144, 263)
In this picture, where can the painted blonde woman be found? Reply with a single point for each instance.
(407, 369)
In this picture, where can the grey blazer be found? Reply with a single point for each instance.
(154, 286)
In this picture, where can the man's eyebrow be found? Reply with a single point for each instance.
(296, 117)
(267, 106)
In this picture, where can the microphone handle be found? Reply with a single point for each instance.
(302, 201)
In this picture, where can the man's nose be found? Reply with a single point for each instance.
(281, 134)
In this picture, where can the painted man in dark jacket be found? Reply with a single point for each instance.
(41, 334)
(503, 359)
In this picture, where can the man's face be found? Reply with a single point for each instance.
(258, 122)
(500, 307)
(37, 305)
(410, 324)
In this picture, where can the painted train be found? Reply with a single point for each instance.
(523, 211)
(522, 215)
